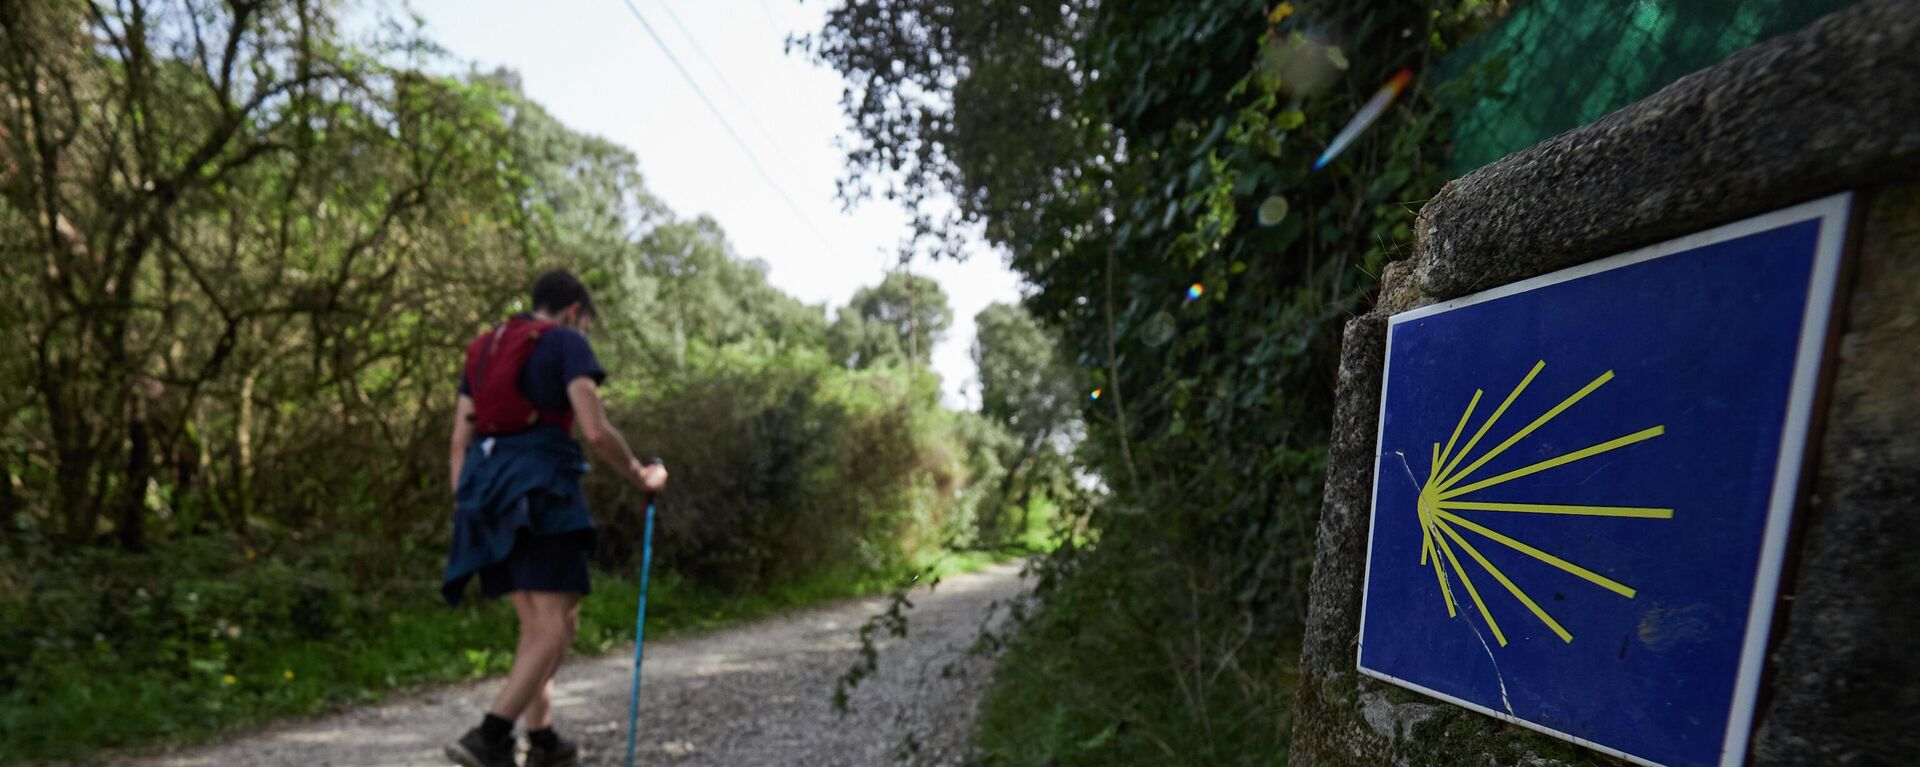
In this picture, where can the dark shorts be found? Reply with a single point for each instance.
(541, 563)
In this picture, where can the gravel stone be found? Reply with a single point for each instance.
(756, 694)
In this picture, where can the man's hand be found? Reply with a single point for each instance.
(584, 395)
(652, 477)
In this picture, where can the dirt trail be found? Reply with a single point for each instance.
(756, 694)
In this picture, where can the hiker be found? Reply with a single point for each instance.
(520, 520)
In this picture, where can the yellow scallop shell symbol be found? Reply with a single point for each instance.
(1444, 497)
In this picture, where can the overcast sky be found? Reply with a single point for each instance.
(592, 64)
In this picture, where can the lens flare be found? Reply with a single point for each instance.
(1195, 290)
(1272, 210)
(1372, 111)
(1095, 395)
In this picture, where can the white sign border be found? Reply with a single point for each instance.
(1833, 213)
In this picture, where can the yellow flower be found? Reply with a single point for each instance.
(288, 674)
(228, 679)
(1280, 11)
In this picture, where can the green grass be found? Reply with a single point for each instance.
(1115, 667)
(1060, 702)
(91, 698)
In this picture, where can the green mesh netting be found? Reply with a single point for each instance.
(1553, 65)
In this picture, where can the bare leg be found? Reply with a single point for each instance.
(548, 621)
(539, 712)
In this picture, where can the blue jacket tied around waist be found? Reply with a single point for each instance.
(528, 481)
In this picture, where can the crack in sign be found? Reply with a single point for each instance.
(1504, 700)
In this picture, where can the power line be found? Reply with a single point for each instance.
(745, 106)
(751, 157)
(772, 26)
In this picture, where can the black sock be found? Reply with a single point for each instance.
(496, 729)
(544, 737)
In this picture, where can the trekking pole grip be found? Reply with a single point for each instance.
(654, 461)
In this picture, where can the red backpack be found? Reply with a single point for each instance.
(494, 362)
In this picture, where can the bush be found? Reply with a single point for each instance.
(179, 649)
(787, 464)
(223, 490)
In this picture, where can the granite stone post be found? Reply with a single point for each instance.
(1830, 108)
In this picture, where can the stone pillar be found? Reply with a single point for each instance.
(1833, 107)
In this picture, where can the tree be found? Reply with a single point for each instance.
(1029, 390)
(1120, 154)
(662, 283)
(1024, 383)
(242, 250)
(703, 291)
(897, 321)
(975, 100)
(200, 191)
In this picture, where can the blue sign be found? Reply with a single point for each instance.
(1584, 484)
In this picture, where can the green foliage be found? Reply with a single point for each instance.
(1168, 618)
(241, 252)
(1051, 703)
(236, 243)
(895, 322)
(228, 641)
(786, 463)
(1023, 382)
(1029, 391)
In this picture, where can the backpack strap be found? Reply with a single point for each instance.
(479, 371)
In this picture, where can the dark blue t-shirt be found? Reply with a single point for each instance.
(561, 355)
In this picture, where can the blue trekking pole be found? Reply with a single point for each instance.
(640, 625)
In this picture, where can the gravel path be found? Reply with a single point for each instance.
(756, 694)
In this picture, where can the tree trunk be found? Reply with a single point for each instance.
(991, 521)
(76, 467)
(75, 457)
(186, 471)
(1025, 504)
(9, 502)
(130, 521)
(243, 456)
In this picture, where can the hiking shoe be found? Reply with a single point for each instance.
(563, 754)
(474, 750)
